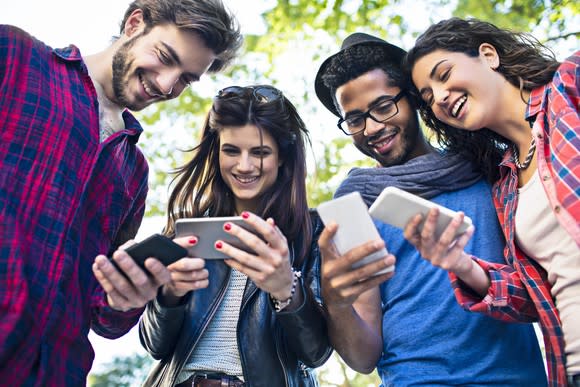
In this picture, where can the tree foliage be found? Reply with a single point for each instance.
(298, 35)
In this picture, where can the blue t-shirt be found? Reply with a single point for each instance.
(428, 339)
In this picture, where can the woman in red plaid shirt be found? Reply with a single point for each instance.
(501, 99)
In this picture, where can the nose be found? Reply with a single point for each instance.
(245, 164)
(167, 80)
(372, 127)
(440, 95)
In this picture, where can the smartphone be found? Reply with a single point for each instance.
(208, 231)
(157, 246)
(396, 207)
(355, 226)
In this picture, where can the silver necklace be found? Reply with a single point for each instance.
(529, 157)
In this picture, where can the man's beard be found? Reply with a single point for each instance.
(121, 65)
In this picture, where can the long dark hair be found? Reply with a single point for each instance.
(200, 190)
(524, 62)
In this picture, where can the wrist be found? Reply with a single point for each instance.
(283, 302)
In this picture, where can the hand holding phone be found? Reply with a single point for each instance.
(157, 246)
(397, 207)
(355, 226)
(208, 231)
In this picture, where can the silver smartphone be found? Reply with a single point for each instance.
(208, 231)
(396, 207)
(355, 226)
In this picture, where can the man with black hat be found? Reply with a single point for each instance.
(419, 335)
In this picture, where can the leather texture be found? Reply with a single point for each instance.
(276, 349)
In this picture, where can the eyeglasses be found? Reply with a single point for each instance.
(381, 112)
(262, 93)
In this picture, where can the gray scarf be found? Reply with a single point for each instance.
(427, 176)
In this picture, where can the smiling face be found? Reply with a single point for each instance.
(392, 142)
(464, 92)
(157, 65)
(241, 156)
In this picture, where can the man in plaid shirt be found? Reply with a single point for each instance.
(73, 183)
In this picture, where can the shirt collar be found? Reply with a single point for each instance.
(70, 53)
(536, 102)
(73, 54)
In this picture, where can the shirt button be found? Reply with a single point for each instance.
(540, 135)
(546, 177)
(557, 209)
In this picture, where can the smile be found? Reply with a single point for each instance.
(457, 106)
(246, 179)
(148, 90)
(384, 140)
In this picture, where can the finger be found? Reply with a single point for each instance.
(99, 268)
(159, 274)
(187, 265)
(326, 244)
(244, 259)
(428, 231)
(353, 275)
(411, 230)
(251, 273)
(448, 235)
(186, 276)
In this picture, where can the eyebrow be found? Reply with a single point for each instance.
(177, 60)
(432, 74)
(371, 105)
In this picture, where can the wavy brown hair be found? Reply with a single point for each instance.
(201, 191)
(209, 19)
(524, 62)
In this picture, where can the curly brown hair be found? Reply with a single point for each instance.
(524, 62)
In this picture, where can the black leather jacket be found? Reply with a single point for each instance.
(276, 349)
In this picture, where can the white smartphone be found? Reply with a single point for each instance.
(208, 231)
(355, 226)
(396, 207)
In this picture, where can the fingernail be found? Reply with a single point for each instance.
(227, 226)
(218, 245)
(273, 223)
(192, 241)
(245, 215)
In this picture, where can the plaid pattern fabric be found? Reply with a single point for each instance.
(520, 291)
(64, 198)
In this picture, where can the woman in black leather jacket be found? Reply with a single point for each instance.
(254, 319)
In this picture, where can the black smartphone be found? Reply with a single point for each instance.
(157, 246)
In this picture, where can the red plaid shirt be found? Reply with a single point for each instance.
(520, 291)
(64, 198)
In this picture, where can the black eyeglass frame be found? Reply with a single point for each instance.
(368, 114)
(272, 94)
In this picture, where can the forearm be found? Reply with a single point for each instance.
(356, 341)
(474, 277)
(305, 326)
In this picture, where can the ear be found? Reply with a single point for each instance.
(488, 53)
(134, 23)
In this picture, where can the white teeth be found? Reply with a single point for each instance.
(458, 105)
(246, 180)
(146, 87)
(385, 140)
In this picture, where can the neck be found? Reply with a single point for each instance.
(511, 122)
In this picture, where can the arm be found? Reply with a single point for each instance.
(304, 323)
(271, 270)
(494, 289)
(106, 321)
(352, 301)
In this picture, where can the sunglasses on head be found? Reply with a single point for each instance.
(259, 93)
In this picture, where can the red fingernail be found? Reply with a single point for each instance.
(245, 215)
(218, 245)
(273, 223)
(192, 241)
(227, 226)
